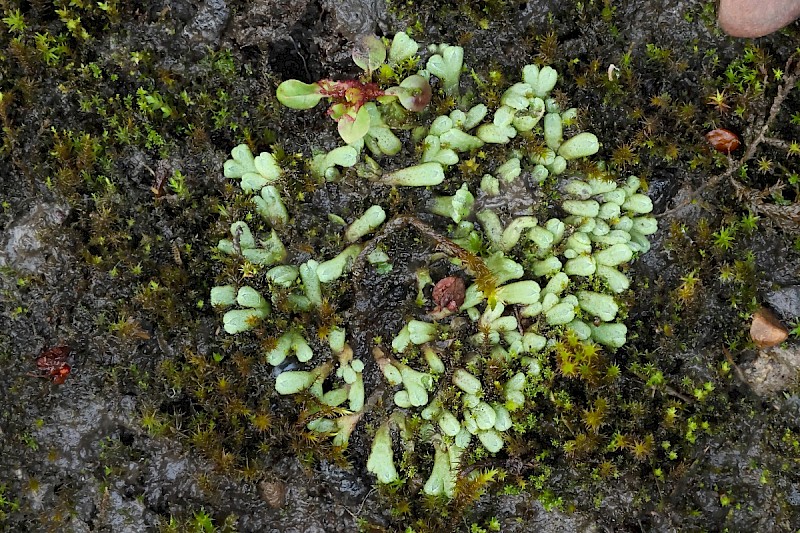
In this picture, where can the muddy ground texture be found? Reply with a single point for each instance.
(117, 118)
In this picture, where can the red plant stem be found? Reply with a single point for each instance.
(352, 93)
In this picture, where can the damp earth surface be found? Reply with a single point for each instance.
(117, 118)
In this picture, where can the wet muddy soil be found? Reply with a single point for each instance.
(117, 118)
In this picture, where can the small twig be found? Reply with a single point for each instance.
(777, 143)
(300, 54)
(737, 370)
(390, 227)
(357, 514)
(673, 392)
(734, 166)
(443, 244)
(669, 390)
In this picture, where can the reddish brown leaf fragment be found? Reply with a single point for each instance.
(723, 140)
(449, 293)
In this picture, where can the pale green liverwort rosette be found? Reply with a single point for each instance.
(294, 381)
(435, 363)
(401, 340)
(355, 395)
(541, 81)
(490, 185)
(380, 139)
(442, 479)
(254, 173)
(241, 163)
(509, 170)
(433, 152)
(542, 238)
(344, 428)
(240, 320)
(381, 458)
(416, 384)
(241, 233)
(492, 227)
(616, 280)
(336, 339)
(491, 440)
(249, 297)
(546, 267)
(283, 275)
(613, 255)
(518, 293)
(403, 47)
(291, 341)
(500, 130)
(421, 332)
(578, 189)
(459, 141)
(552, 130)
(514, 230)
(582, 145)
(581, 208)
(466, 381)
(610, 334)
(311, 284)
(324, 165)
(366, 223)
(223, 296)
(422, 175)
(457, 207)
(446, 65)
(600, 305)
(270, 206)
(562, 311)
(517, 97)
(333, 269)
(513, 389)
(503, 268)
(582, 265)
(271, 251)
(474, 116)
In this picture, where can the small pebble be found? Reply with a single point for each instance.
(766, 330)
(273, 492)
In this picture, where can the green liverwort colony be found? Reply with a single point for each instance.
(544, 293)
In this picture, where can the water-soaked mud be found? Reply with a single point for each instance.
(105, 249)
